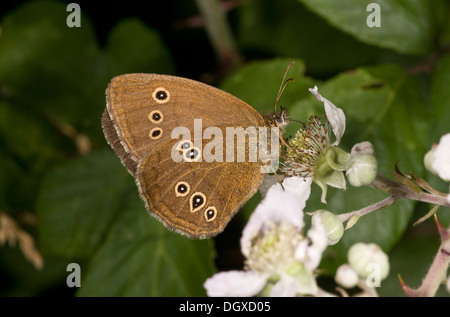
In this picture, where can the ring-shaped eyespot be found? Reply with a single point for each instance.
(155, 133)
(197, 201)
(185, 145)
(192, 155)
(161, 95)
(182, 189)
(156, 116)
(210, 214)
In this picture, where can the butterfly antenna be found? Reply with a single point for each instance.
(293, 120)
(283, 84)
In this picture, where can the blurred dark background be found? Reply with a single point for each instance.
(174, 19)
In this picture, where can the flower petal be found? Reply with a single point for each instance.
(441, 158)
(307, 283)
(319, 242)
(335, 115)
(278, 206)
(235, 283)
(299, 186)
(311, 255)
(287, 286)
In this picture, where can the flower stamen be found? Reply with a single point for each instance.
(307, 148)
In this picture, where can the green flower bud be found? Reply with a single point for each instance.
(366, 259)
(332, 224)
(346, 276)
(363, 170)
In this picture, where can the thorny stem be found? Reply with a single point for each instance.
(436, 273)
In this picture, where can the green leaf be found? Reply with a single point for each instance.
(287, 28)
(46, 65)
(134, 48)
(60, 73)
(27, 138)
(28, 146)
(440, 99)
(78, 203)
(140, 257)
(407, 26)
(257, 83)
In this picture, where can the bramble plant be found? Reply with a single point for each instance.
(281, 260)
(361, 207)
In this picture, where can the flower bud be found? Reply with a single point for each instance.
(333, 226)
(366, 258)
(363, 170)
(346, 276)
(428, 160)
(441, 160)
(362, 148)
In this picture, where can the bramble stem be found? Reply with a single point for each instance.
(219, 34)
(438, 269)
(363, 211)
(396, 190)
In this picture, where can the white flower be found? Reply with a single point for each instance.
(278, 206)
(437, 160)
(271, 243)
(311, 154)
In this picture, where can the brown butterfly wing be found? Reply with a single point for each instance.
(128, 127)
(224, 186)
(130, 101)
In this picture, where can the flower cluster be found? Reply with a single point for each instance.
(281, 260)
(311, 154)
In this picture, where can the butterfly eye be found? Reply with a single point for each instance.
(197, 201)
(210, 214)
(155, 133)
(155, 116)
(161, 95)
(182, 189)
